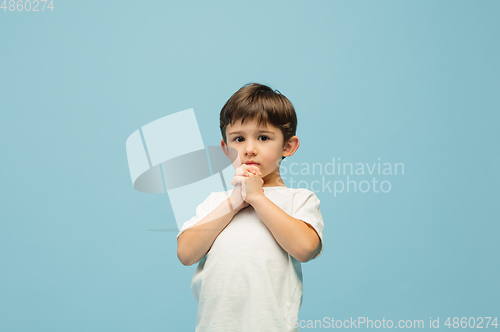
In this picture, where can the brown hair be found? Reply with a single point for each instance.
(259, 102)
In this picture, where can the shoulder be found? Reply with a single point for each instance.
(297, 197)
(303, 194)
(306, 197)
(296, 192)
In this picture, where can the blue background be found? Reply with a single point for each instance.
(414, 82)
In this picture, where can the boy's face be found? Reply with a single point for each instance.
(259, 146)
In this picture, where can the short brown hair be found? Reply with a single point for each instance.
(259, 102)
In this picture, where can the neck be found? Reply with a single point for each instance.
(273, 180)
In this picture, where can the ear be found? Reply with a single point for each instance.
(291, 146)
(225, 148)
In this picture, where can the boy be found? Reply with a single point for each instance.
(250, 241)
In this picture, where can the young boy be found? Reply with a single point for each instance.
(250, 241)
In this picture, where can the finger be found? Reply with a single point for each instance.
(254, 169)
(244, 170)
(237, 180)
(257, 169)
(241, 171)
(250, 168)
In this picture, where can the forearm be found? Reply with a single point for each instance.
(293, 235)
(195, 241)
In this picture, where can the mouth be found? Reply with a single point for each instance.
(255, 164)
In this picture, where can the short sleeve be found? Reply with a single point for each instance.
(306, 208)
(201, 212)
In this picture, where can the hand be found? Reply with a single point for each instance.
(251, 187)
(237, 198)
(244, 171)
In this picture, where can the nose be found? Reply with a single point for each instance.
(250, 148)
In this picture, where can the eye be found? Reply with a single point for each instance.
(265, 137)
(236, 139)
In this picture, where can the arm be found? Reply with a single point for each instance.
(295, 236)
(195, 241)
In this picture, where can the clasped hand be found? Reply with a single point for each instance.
(248, 184)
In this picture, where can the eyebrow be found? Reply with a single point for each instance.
(260, 131)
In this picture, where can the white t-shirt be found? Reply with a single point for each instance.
(246, 281)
